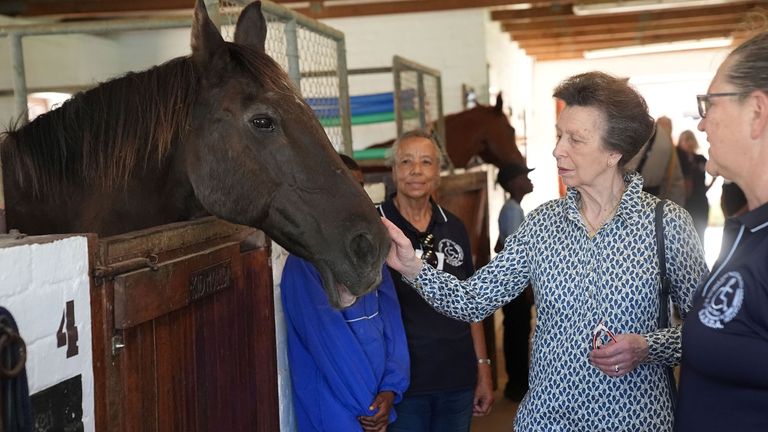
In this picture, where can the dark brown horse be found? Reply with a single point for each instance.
(222, 131)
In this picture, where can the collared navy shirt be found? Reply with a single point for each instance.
(442, 354)
(724, 374)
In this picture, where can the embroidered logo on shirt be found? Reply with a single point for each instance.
(454, 254)
(723, 301)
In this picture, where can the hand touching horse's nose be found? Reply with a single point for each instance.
(401, 255)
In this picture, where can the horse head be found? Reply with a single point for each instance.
(221, 132)
(258, 156)
(484, 131)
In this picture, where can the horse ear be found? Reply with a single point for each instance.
(251, 29)
(206, 40)
(499, 107)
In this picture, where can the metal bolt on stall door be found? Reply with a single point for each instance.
(117, 344)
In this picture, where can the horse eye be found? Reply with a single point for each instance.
(263, 123)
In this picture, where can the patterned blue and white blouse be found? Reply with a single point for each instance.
(579, 281)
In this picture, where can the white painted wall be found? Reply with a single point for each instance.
(510, 72)
(36, 282)
(79, 60)
(464, 45)
(285, 391)
(452, 42)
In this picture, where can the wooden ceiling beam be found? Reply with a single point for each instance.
(724, 25)
(396, 7)
(735, 20)
(610, 43)
(571, 55)
(552, 11)
(93, 8)
(563, 55)
(596, 23)
(574, 20)
(739, 24)
(584, 46)
(30, 8)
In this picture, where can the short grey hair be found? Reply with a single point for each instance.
(628, 126)
(416, 133)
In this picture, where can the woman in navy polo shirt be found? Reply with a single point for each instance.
(450, 370)
(724, 378)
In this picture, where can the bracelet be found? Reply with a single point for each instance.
(484, 361)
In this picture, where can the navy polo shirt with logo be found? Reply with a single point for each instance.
(724, 371)
(442, 354)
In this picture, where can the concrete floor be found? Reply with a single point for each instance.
(502, 415)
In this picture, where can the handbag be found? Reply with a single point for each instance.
(664, 289)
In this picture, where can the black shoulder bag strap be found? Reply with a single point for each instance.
(665, 289)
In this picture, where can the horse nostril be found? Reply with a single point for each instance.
(361, 247)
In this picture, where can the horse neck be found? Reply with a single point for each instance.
(462, 137)
(467, 134)
(114, 142)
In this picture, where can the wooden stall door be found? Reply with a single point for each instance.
(188, 343)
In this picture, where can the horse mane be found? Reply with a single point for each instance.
(100, 136)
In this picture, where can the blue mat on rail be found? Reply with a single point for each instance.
(363, 105)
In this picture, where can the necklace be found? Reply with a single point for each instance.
(591, 230)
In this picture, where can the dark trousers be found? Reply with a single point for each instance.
(517, 329)
(449, 411)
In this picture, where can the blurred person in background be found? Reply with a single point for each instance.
(657, 162)
(513, 178)
(694, 170)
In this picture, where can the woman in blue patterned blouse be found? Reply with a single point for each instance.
(599, 360)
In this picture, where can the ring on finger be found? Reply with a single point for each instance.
(616, 368)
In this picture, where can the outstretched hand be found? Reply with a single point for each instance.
(402, 258)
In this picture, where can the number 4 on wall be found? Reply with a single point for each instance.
(68, 337)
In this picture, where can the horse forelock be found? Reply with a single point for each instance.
(100, 136)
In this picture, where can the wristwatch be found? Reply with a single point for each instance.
(484, 361)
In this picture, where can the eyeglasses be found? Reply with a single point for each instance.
(428, 255)
(705, 103)
(601, 335)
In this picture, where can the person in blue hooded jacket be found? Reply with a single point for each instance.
(350, 366)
